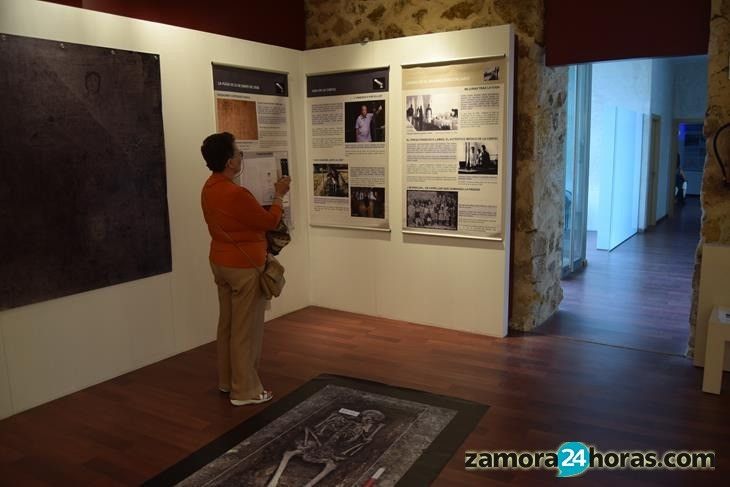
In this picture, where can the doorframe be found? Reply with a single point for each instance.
(654, 162)
(673, 159)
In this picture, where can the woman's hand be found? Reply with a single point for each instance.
(282, 186)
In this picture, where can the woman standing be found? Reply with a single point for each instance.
(237, 224)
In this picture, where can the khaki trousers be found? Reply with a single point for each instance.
(240, 330)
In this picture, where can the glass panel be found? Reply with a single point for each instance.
(582, 152)
(569, 170)
(576, 168)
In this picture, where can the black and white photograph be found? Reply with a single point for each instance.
(367, 202)
(339, 436)
(491, 72)
(365, 121)
(478, 157)
(331, 180)
(433, 209)
(433, 112)
(91, 120)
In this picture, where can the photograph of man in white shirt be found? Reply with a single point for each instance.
(363, 124)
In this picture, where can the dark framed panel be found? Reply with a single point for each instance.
(83, 193)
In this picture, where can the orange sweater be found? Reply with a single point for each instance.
(234, 209)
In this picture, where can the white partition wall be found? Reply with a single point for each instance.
(620, 177)
(450, 282)
(56, 347)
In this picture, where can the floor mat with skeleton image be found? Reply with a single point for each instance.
(335, 431)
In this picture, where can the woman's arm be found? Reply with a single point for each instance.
(248, 211)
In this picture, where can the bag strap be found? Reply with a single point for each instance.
(250, 260)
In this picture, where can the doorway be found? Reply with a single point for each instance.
(628, 249)
(688, 152)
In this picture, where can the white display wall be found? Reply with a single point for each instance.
(443, 281)
(53, 348)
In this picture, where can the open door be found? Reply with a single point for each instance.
(688, 142)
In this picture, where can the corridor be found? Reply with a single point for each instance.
(638, 295)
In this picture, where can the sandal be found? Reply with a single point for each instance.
(263, 397)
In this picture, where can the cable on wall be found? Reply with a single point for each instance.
(717, 153)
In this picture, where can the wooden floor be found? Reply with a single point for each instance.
(542, 391)
(637, 295)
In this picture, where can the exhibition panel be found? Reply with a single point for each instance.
(348, 149)
(459, 283)
(253, 105)
(453, 141)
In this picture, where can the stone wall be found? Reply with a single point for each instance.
(540, 121)
(715, 195)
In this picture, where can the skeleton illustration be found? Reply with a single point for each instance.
(335, 439)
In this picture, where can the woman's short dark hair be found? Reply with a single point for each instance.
(217, 149)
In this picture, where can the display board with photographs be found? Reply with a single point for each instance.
(348, 149)
(454, 127)
(254, 106)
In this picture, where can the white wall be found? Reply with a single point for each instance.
(624, 84)
(620, 181)
(690, 87)
(662, 101)
(453, 283)
(56, 347)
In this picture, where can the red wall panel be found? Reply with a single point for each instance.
(576, 31)
(280, 23)
(579, 31)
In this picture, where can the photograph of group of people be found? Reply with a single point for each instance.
(331, 180)
(433, 112)
(433, 209)
(365, 121)
(367, 202)
(477, 158)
